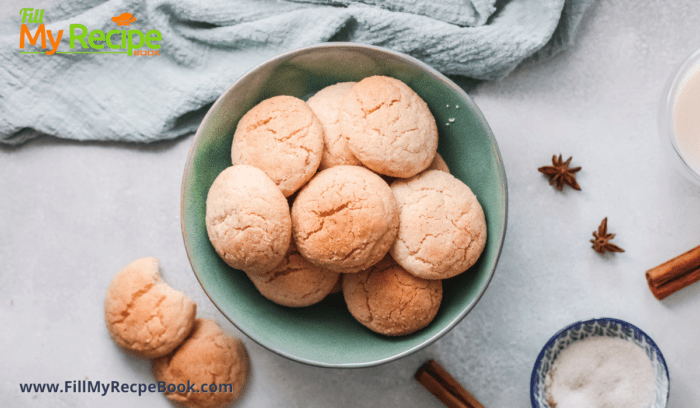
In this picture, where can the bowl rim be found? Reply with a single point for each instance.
(434, 74)
(550, 343)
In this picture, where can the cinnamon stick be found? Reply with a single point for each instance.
(674, 275)
(442, 385)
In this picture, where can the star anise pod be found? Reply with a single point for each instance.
(601, 243)
(560, 173)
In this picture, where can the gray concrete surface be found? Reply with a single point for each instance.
(73, 214)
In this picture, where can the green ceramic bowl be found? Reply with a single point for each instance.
(326, 334)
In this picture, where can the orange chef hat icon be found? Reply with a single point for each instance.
(124, 19)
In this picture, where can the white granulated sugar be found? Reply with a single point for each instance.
(601, 372)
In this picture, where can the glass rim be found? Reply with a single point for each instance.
(666, 118)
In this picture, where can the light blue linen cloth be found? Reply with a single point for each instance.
(208, 44)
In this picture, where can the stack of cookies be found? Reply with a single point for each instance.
(149, 319)
(347, 187)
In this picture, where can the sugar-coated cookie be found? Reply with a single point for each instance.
(438, 164)
(145, 315)
(207, 357)
(388, 300)
(283, 137)
(389, 128)
(296, 282)
(345, 219)
(248, 220)
(442, 229)
(326, 105)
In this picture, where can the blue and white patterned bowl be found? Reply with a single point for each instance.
(603, 327)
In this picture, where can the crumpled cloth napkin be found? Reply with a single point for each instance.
(208, 44)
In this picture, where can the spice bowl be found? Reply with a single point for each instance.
(601, 327)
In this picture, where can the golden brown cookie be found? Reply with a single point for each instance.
(295, 282)
(438, 164)
(345, 219)
(388, 300)
(326, 105)
(283, 137)
(442, 229)
(389, 128)
(145, 315)
(248, 220)
(208, 356)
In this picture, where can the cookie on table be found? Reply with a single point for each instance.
(247, 219)
(296, 282)
(145, 315)
(389, 128)
(442, 230)
(326, 105)
(345, 219)
(208, 356)
(283, 137)
(388, 300)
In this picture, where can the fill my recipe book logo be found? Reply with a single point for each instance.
(84, 41)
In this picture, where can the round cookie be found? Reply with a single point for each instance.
(326, 105)
(389, 128)
(442, 229)
(208, 356)
(345, 219)
(283, 137)
(296, 282)
(145, 315)
(438, 164)
(388, 300)
(248, 220)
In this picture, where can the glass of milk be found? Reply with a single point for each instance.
(679, 117)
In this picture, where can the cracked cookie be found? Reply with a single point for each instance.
(283, 137)
(389, 128)
(442, 228)
(326, 105)
(296, 282)
(247, 219)
(145, 315)
(345, 219)
(207, 357)
(388, 300)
